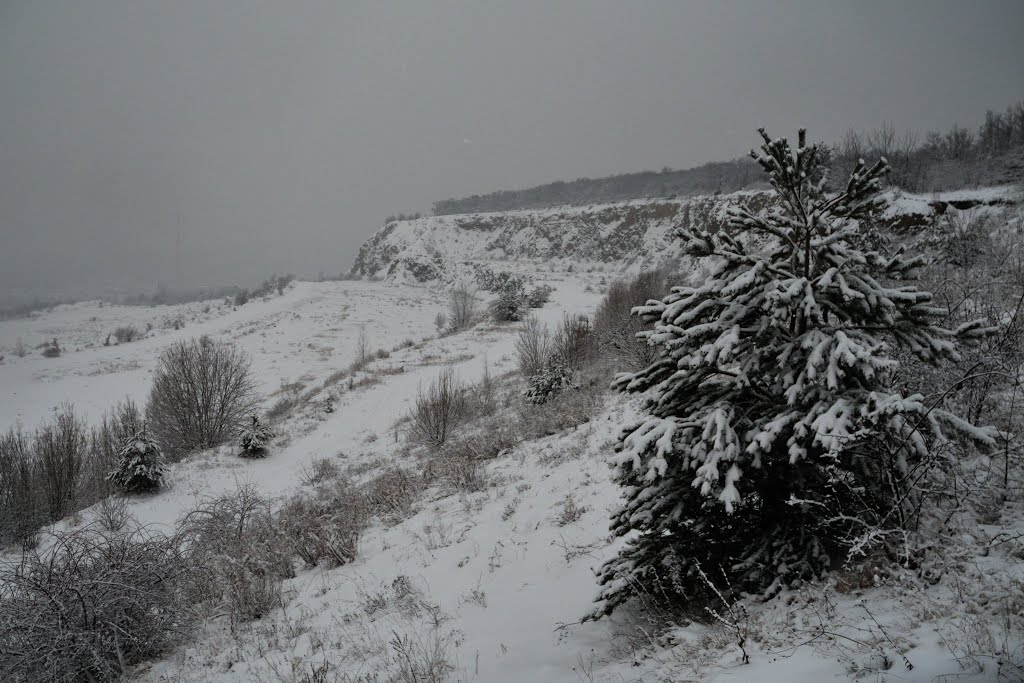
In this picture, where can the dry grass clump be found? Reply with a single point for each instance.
(318, 471)
(392, 494)
(126, 334)
(325, 526)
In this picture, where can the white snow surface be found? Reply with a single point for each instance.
(503, 591)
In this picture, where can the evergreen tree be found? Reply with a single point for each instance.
(774, 441)
(255, 439)
(511, 302)
(140, 466)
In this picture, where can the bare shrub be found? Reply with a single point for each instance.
(105, 441)
(232, 536)
(126, 334)
(21, 507)
(438, 410)
(574, 345)
(92, 606)
(202, 391)
(616, 328)
(485, 393)
(112, 513)
(61, 449)
(533, 346)
(20, 350)
(440, 321)
(461, 307)
(324, 526)
(363, 353)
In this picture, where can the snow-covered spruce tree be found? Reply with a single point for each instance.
(774, 442)
(140, 465)
(254, 440)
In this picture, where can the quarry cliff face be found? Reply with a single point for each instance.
(629, 235)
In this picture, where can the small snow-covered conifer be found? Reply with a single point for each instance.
(255, 439)
(774, 441)
(140, 465)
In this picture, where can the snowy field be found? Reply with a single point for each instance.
(499, 579)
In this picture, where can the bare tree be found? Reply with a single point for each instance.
(574, 344)
(363, 355)
(202, 391)
(461, 306)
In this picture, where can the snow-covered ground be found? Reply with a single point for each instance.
(496, 580)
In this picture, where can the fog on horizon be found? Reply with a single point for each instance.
(195, 143)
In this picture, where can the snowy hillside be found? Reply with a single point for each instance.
(487, 582)
(622, 237)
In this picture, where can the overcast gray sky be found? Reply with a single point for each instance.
(279, 134)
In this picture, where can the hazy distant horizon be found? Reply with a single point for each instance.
(275, 137)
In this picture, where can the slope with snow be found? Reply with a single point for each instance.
(496, 581)
(628, 236)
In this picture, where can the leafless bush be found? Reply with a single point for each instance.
(61, 449)
(363, 353)
(438, 410)
(202, 391)
(440, 321)
(325, 525)
(484, 394)
(20, 350)
(533, 346)
(92, 606)
(21, 506)
(126, 334)
(233, 537)
(461, 307)
(616, 328)
(105, 441)
(574, 345)
(112, 513)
